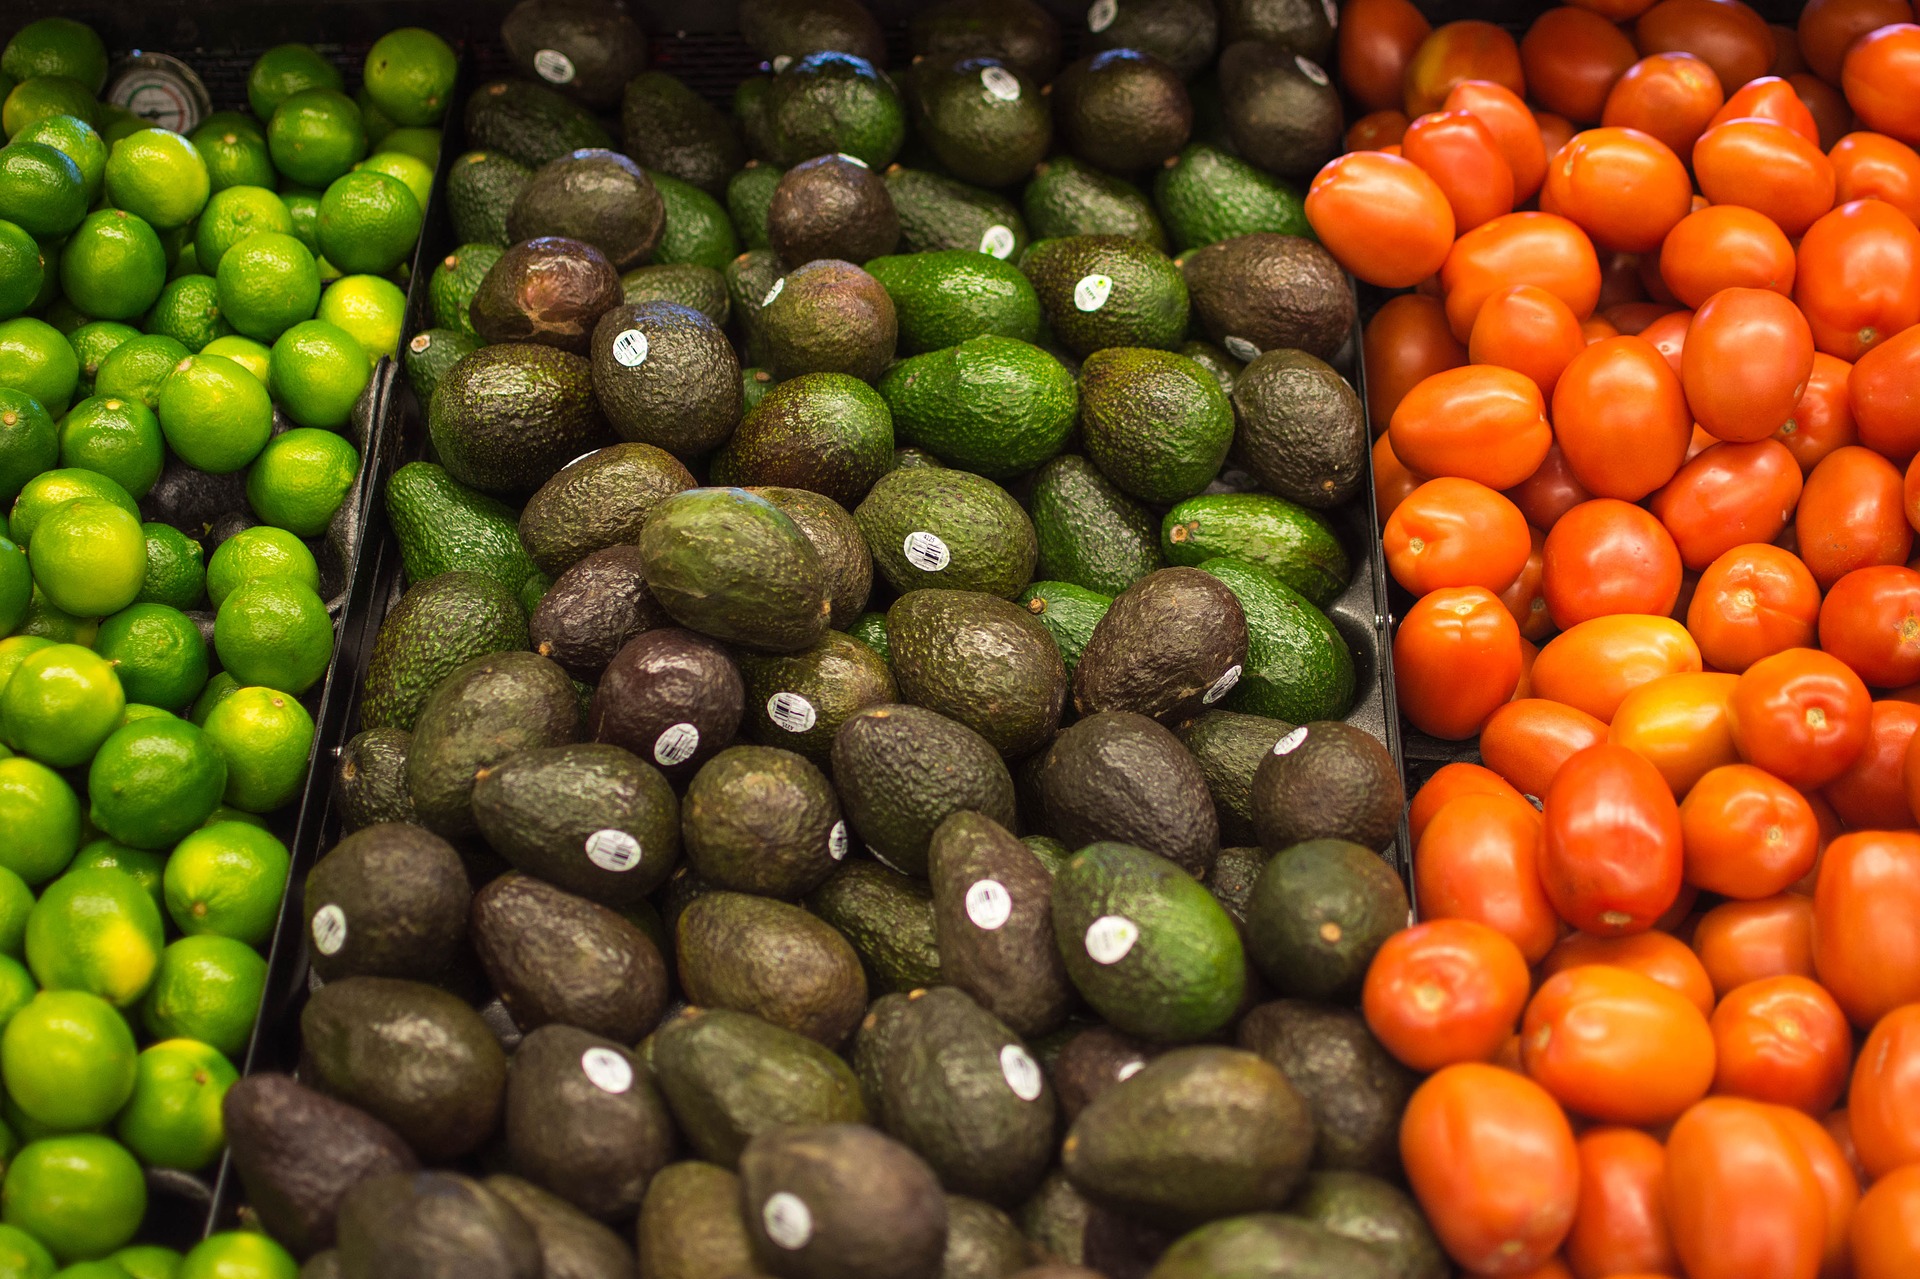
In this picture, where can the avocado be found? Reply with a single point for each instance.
(798, 701)
(550, 291)
(1052, 853)
(933, 527)
(1090, 534)
(1195, 1134)
(1318, 913)
(731, 565)
(1169, 645)
(298, 1153)
(828, 316)
(836, 539)
(443, 526)
(1301, 429)
(1231, 881)
(1122, 110)
(832, 206)
(1099, 291)
(556, 957)
(1070, 614)
(1298, 667)
(1264, 1244)
(1374, 1212)
(429, 354)
(938, 213)
(1146, 945)
(412, 1056)
(584, 1121)
(1181, 33)
(437, 625)
(433, 1225)
(829, 433)
(750, 116)
(664, 374)
(690, 284)
(454, 282)
(754, 385)
(1054, 1220)
(1117, 775)
(1295, 544)
(761, 820)
(830, 102)
(388, 901)
(1215, 361)
(597, 47)
(1298, 26)
(1070, 197)
(888, 919)
(572, 1244)
(992, 405)
(1019, 33)
(1014, 701)
(984, 121)
(1267, 292)
(789, 29)
(749, 196)
(1094, 1060)
(760, 956)
(1206, 195)
(945, 297)
(691, 1226)
(596, 197)
(1155, 423)
(841, 1201)
(480, 191)
(1327, 780)
(1282, 111)
(901, 770)
(669, 696)
(597, 502)
(751, 278)
(370, 781)
(1230, 747)
(507, 417)
(589, 818)
(482, 712)
(982, 1241)
(992, 902)
(529, 123)
(670, 128)
(1353, 1086)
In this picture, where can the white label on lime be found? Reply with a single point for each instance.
(1222, 686)
(1022, 1072)
(630, 347)
(791, 711)
(788, 1221)
(1092, 292)
(989, 905)
(613, 850)
(610, 1071)
(1333, 13)
(773, 292)
(782, 62)
(1310, 69)
(1129, 1070)
(997, 241)
(676, 744)
(851, 159)
(1001, 83)
(925, 551)
(554, 66)
(1291, 742)
(1110, 937)
(837, 841)
(329, 929)
(1102, 14)
(1240, 349)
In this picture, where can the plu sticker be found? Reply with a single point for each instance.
(1110, 937)
(329, 929)
(613, 850)
(997, 241)
(630, 348)
(1310, 69)
(1291, 742)
(1092, 292)
(791, 712)
(1129, 1070)
(1000, 83)
(1222, 686)
(421, 341)
(926, 552)
(788, 1221)
(782, 62)
(676, 744)
(989, 905)
(1102, 14)
(774, 292)
(1240, 349)
(851, 159)
(608, 1070)
(554, 66)
(1022, 1073)
(1333, 13)
(838, 843)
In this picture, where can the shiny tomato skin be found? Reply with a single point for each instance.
(1457, 654)
(1884, 393)
(1382, 217)
(1751, 602)
(1611, 856)
(1839, 1184)
(1742, 1198)
(1451, 782)
(1872, 166)
(1529, 330)
(1479, 859)
(1832, 117)
(1802, 715)
(1871, 621)
(1617, 1046)
(1467, 50)
(1680, 724)
(1520, 248)
(1453, 532)
(1376, 40)
(1593, 666)
(1668, 335)
(1480, 422)
(1728, 496)
(1406, 341)
(1878, 75)
(1749, 353)
(1828, 28)
(1747, 834)
(1884, 1235)
(1528, 739)
(1550, 492)
(1515, 131)
(1377, 130)
(1883, 1104)
(1572, 58)
(1769, 98)
(1865, 947)
(1523, 598)
(1621, 418)
(1659, 956)
(1784, 1041)
(1823, 420)
(1725, 246)
(1768, 167)
(1857, 278)
(1607, 556)
(1392, 482)
(1669, 95)
(1852, 513)
(1871, 794)
(1735, 41)
(1445, 991)
(1459, 153)
(1620, 1226)
(1739, 942)
(1625, 188)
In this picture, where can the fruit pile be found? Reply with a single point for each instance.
(1648, 407)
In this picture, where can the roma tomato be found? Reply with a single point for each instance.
(1392, 482)
(1724, 246)
(1748, 356)
(1593, 666)
(1662, 957)
(1607, 556)
(1459, 153)
(1828, 29)
(1407, 341)
(1859, 280)
(1884, 1234)
(1871, 794)
(1769, 98)
(1742, 1198)
(1479, 423)
(1572, 58)
(1550, 492)
(1802, 715)
(1852, 514)
(1457, 654)
(1555, 130)
(1865, 947)
(1626, 189)
(1668, 335)
(1382, 217)
(1451, 532)
(1513, 127)
(1735, 41)
(1823, 420)
(1479, 859)
(1445, 991)
(1739, 942)
(1616, 1046)
(1884, 393)
(1376, 42)
(1377, 130)
(1839, 1184)
(1752, 602)
(1451, 782)
(1528, 739)
(1872, 166)
(1621, 418)
(1878, 76)
(1832, 117)
(1680, 724)
(1768, 167)
(1884, 1102)
(1620, 1225)
(1727, 496)
(1528, 330)
(1491, 1159)
(1469, 50)
(1747, 833)
(1782, 1040)
(1543, 249)
(1669, 95)
(1611, 854)
(1871, 621)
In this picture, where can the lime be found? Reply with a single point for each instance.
(275, 632)
(368, 222)
(19, 1121)
(176, 575)
(41, 816)
(113, 266)
(137, 711)
(301, 479)
(60, 705)
(116, 122)
(78, 141)
(318, 373)
(172, 1119)
(82, 1195)
(29, 441)
(41, 190)
(370, 308)
(247, 353)
(53, 306)
(154, 780)
(218, 689)
(135, 369)
(68, 1059)
(409, 169)
(266, 737)
(304, 208)
(186, 261)
(239, 1254)
(103, 1269)
(14, 650)
(157, 652)
(234, 214)
(22, 1256)
(17, 987)
(285, 70)
(51, 489)
(148, 1261)
(316, 135)
(16, 585)
(89, 556)
(455, 280)
(188, 311)
(159, 175)
(23, 269)
(269, 282)
(409, 75)
(105, 854)
(117, 438)
(43, 619)
(422, 144)
(96, 930)
(232, 121)
(56, 46)
(430, 353)
(35, 358)
(92, 342)
(208, 989)
(215, 414)
(16, 899)
(44, 97)
(254, 554)
(234, 156)
(226, 879)
(372, 118)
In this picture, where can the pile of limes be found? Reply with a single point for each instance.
(160, 296)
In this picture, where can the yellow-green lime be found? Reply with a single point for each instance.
(95, 930)
(23, 269)
(274, 632)
(116, 122)
(134, 369)
(318, 372)
(137, 711)
(409, 75)
(301, 479)
(285, 70)
(303, 207)
(22, 1256)
(234, 156)
(157, 652)
(68, 1059)
(172, 1119)
(56, 46)
(148, 1261)
(118, 438)
(208, 989)
(370, 308)
(266, 737)
(234, 214)
(43, 619)
(159, 175)
(225, 880)
(176, 572)
(257, 553)
(17, 989)
(46, 96)
(113, 266)
(420, 143)
(29, 441)
(93, 342)
(60, 705)
(41, 190)
(89, 556)
(36, 359)
(188, 311)
(218, 689)
(368, 222)
(154, 780)
(78, 141)
(16, 584)
(410, 169)
(81, 1195)
(16, 900)
(186, 261)
(14, 650)
(41, 814)
(315, 136)
(143, 864)
(216, 415)
(269, 282)
(247, 353)
(54, 488)
(238, 1254)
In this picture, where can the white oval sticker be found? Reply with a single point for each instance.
(630, 347)
(778, 286)
(926, 552)
(610, 1071)
(1240, 349)
(1310, 69)
(1129, 1070)
(1291, 742)
(997, 241)
(421, 341)
(329, 929)
(989, 905)
(613, 850)
(1333, 13)
(554, 66)
(1110, 937)
(1222, 686)
(851, 159)
(837, 841)
(788, 1221)
(1022, 1072)
(1102, 14)
(791, 711)
(676, 744)
(781, 62)
(1000, 83)
(1092, 292)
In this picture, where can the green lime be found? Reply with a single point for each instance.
(89, 556)
(116, 122)
(455, 280)
(135, 369)
(41, 190)
(186, 262)
(208, 989)
(266, 737)
(430, 353)
(56, 46)
(68, 1059)
(372, 118)
(318, 372)
(93, 342)
(95, 930)
(43, 619)
(23, 270)
(81, 1195)
(368, 222)
(157, 652)
(409, 75)
(242, 121)
(410, 169)
(60, 705)
(29, 441)
(159, 175)
(301, 479)
(16, 899)
(117, 438)
(35, 358)
(218, 689)
(254, 554)
(275, 632)
(216, 415)
(269, 282)
(304, 208)
(370, 308)
(148, 1261)
(45, 97)
(16, 585)
(285, 70)
(14, 650)
(247, 353)
(53, 306)
(154, 780)
(172, 1119)
(234, 214)
(226, 880)
(315, 136)
(422, 144)
(137, 711)
(113, 266)
(41, 815)
(17, 987)
(22, 1256)
(239, 1254)
(235, 156)
(105, 854)
(102, 1269)
(78, 141)
(19, 1121)
(176, 572)
(51, 489)
(188, 311)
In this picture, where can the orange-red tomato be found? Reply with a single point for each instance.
(1608, 556)
(1859, 283)
(1621, 418)
(1725, 246)
(1453, 532)
(1376, 42)
(1884, 1234)
(1742, 1198)
(1572, 58)
(1520, 248)
(1445, 991)
(1748, 356)
(1597, 328)
(1620, 1225)
(1617, 1046)
(1632, 318)
(1739, 942)
(1480, 422)
(1753, 601)
(1625, 188)
(1884, 393)
(1479, 859)
(1669, 95)
(1513, 127)
(1392, 482)
(1832, 117)
(1851, 515)
(1747, 833)
(1839, 1184)
(1871, 794)
(1469, 50)
(1451, 782)
(1878, 76)
(1406, 341)
(1822, 421)
(1871, 621)
(1611, 856)
(1528, 739)
(1802, 715)
(1828, 29)
(1593, 666)
(1769, 98)
(1457, 654)
(1668, 335)
(1459, 153)
(1377, 130)
(1660, 956)
(1555, 130)
(1524, 600)
(1872, 166)
(1765, 166)
(1382, 217)
(1883, 1105)
(1550, 492)
(1491, 1159)
(1528, 330)
(1735, 41)
(1782, 1040)
(1865, 947)
(1727, 496)
(1680, 724)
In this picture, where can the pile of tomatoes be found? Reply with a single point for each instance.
(1650, 414)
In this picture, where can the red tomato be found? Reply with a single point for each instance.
(1883, 1105)
(1452, 532)
(1660, 956)
(1620, 1225)
(1513, 127)
(1668, 335)
(1839, 1184)
(1550, 492)
(1377, 130)
(1445, 991)
(1617, 1046)
(1459, 153)
(1392, 482)
(1851, 515)
(1742, 1198)
(1626, 189)
(1528, 330)
(1611, 857)
(1621, 418)
(1769, 98)
(1524, 600)
(1739, 942)
(1753, 601)
(1608, 556)
(1872, 166)
(1382, 217)
(1735, 41)
(1724, 246)
(1801, 715)
(1680, 724)
(1885, 1232)
(1480, 422)
(1859, 283)
(1451, 782)
(1884, 393)
(1871, 795)
(1768, 167)
(1871, 621)
(1828, 29)
(1469, 50)
(1748, 356)
(1593, 666)
(1822, 421)
(1747, 833)
(1727, 496)
(1782, 1040)
(1555, 130)
(1407, 341)
(1632, 318)
(1457, 654)
(1572, 58)
(1491, 1159)
(1376, 42)
(1528, 739)
(1878, 75)
(1832, 117)
(1669, 95)
(1520, 248)
(1865, 947)
(1479, 859)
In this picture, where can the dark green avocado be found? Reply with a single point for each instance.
(510, 415)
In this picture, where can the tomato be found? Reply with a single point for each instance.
(1832, 117)
(1668, 335)
(1480, 422)
(1520, 248)
(1733, 39)
(1528, 739)
(1555, 130)
(1859, 284)
(1768, 167)
(1742, 1198)
(1593, 666)
(1669, 95)
(1728, 496)
(1828, 29)
(1885, 1231)
(1445, 991)
(1607, 556)
(1782, 1040)
(1550, 492)
(1872, 166)
(1621, 418)
(1513, 127)
(1822, 421)
(1528, 330)
(1490, 1157)
(1617, 1046)
(1884, 393)
(1376, 42)
(1620, 1225)
(1523, 598)
(1625, 188)
(1459, 153)
(1632, 318)
(1479, 859)
(1392, 482)
(1739, 942)
(1839, 1126)
(1769, 98)
(1597, 328)
(1747, 833)
(1871, 795)
(1802, 715)
(1406, 341)
(1748, 356)
(1865, 947)
(1452, 532)
(1753, 601)
(1878, 76)
(1725, 246)
(1451, 782)
(1851, 515)
(1679, 724)
(1611, 856)
(1382, 217)
(1572, 58)
(1871, 621)
(1659, 956)
(1884, 1102)
(1469, 50)
(1457, 655)
(1839, 1184)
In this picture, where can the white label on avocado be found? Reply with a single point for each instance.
(1092, 292)
(676, 744)
(1333, 13)
(1240, 349)
(788, 1221)
(1001, 83)
(1102, 14)
(554, 66)
(421, 341)
(1129, 1070)
(988, 904)
(1110, 937)
(610, 1071)
(851, 159)
(1291, 742)
(926, 552)
(837, 841)
(773, 292)
(1022, 1072)
(1310, 69)
(630, 347)
(782, 62)
(613, 850)
(997, 240)
(329, 929)
(791, 711)
(1222, 686)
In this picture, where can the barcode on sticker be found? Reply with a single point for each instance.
(1110, 937)
(773, 292)
(1240, 349)
(791, 712)
(925, 551)
(630, 347)
(1092, 292)
(1000, 83)
(989, 905)
(1291, 742)
(554, 66)
(837, 841)
(329, 929)
(1310, 69)
(613, 850)
(997, 240)
(676, 744)
(608, 1070)
(1222, 686)
(1102, 14)
(788, 1221)
(1022, 1072)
